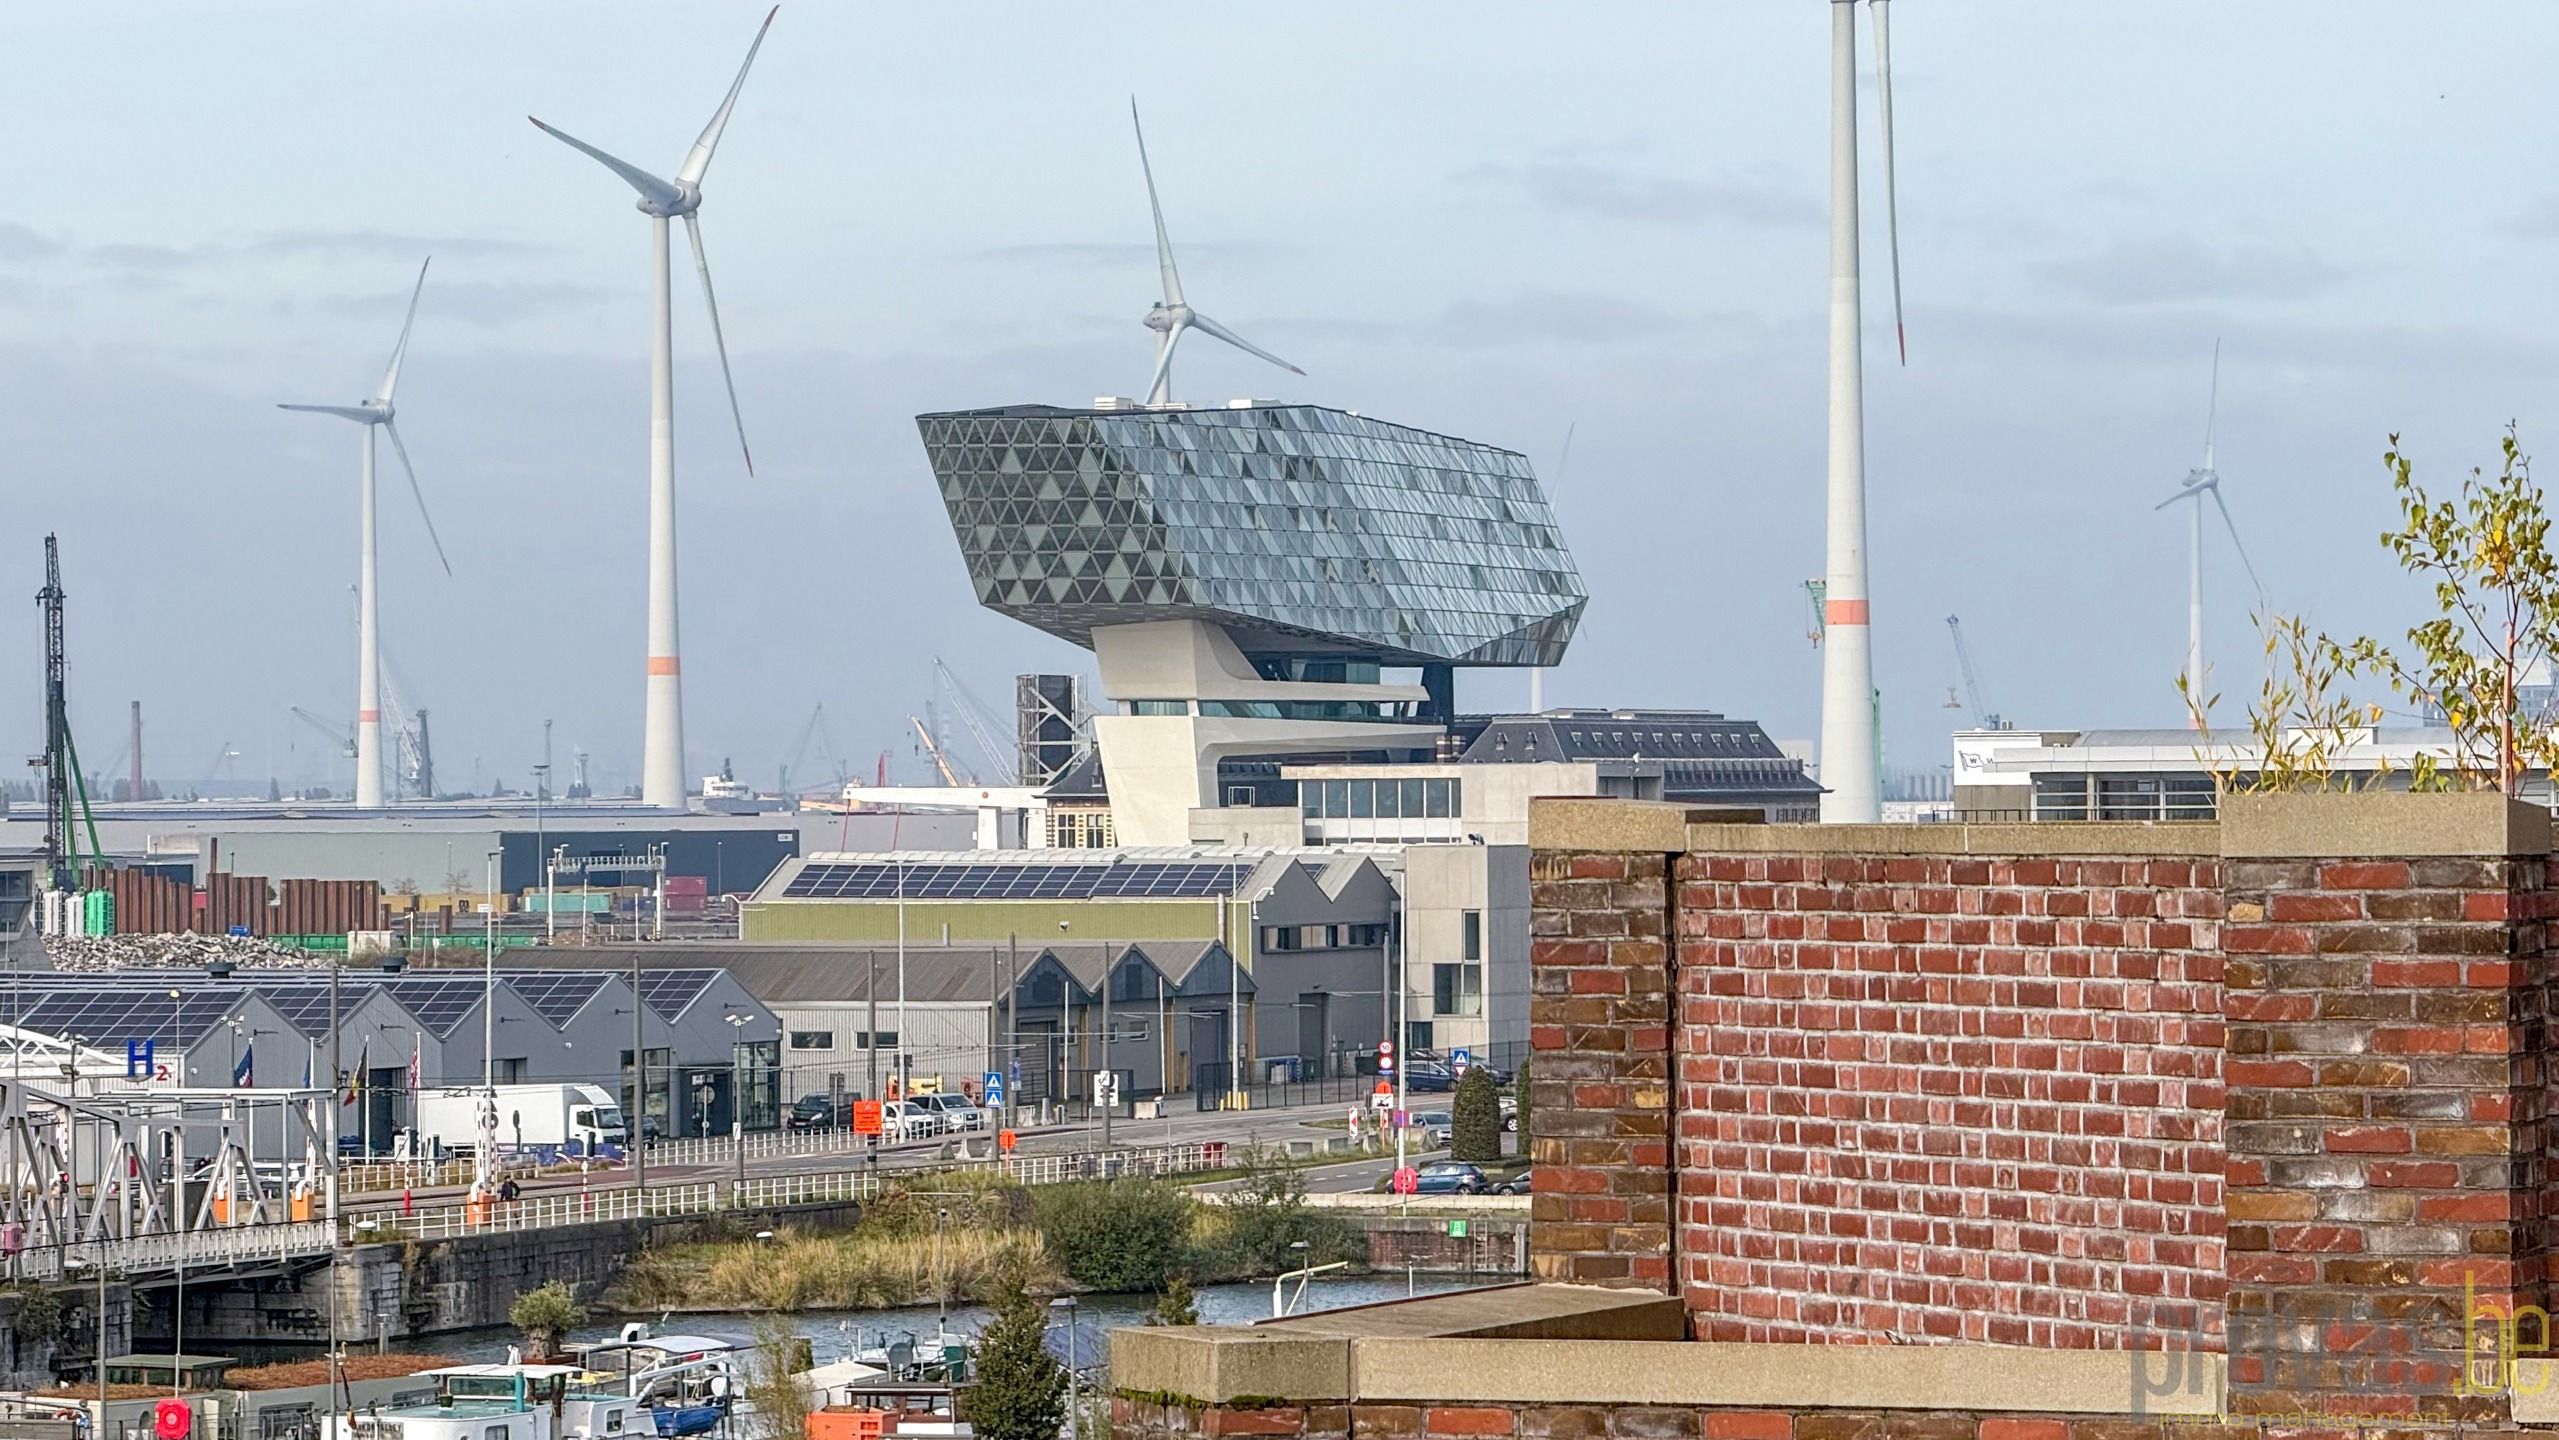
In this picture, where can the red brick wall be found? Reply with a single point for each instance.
(2388, 1166)
(1936, 1098)
(1599, 1069)
(1153, 1419)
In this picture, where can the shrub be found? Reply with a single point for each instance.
(1116, 1235)
(1021, 1389)
(39, 1315)
(773, 1382)
(546, 1314)
(858, 1271)
(1253, 1232)
(1176, 1306)
(1475, 1128)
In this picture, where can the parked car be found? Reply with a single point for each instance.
(902, 1120)
(1449, 1177)
(1435, 1127)
(1428, 1077)
(957, 1111)
(1510, 1111)
(810, 1112)
(1515, 1185)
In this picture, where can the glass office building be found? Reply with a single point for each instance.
(1300, 530)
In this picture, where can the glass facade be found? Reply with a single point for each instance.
(1322, 529)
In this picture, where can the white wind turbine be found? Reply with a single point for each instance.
(662, 748)
(1172, 315)
(376, 414)
(1850, 759)
(2199, 482)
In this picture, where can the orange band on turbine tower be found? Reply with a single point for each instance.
(1844, 612)
(663, 665)
(368, 717)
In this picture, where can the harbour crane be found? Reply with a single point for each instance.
(933, 752)
(66, 791)
(815, 731)
(976, 716)
(343, 740)
(1983, 715)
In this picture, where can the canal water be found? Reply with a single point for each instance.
(833, 1334)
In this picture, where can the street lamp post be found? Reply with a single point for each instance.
(737, 1098)
(541, 845)
(1074, 1404)
(484, 1168)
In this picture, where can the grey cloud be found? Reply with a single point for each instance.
(386, 244)
(477, 302)
(1579, 188)
(18, 242)
(2538, 221)
(146, 257)
(2171, 269)
(1548, 317)
(1118, 254)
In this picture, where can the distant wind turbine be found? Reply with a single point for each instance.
(662, 761)
(2199, 482)
(1171, 315)
(1850, 755)
(376, 414)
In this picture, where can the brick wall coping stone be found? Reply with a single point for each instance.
(2381, 822)
(1214, 1365)
(2536, 1391)
(1528, 1311)
(2295, 826)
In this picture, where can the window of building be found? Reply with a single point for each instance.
(1279, 937)
(2151, 797)
(1239, 795)
(1474, 935)
(2061, 797)
(510, 1072)
(1432, 799)
(875, 1040)
(1159, 707)
(812, 1039)
(1457, 990)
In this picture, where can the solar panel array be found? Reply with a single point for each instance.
(1118, 880)
(107, 1015)
(557, 995)
(439, 1004)
(668, 991)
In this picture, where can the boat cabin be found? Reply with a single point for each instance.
(503, 1402)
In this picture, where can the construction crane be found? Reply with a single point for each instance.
(815, 730)
(344, 741)
(66, 792)
(1814, 591)
(1983, 715)
(933, 752)
(980, 720)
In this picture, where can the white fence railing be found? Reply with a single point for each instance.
(552, 1208)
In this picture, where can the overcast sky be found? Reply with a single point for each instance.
(1498, 220)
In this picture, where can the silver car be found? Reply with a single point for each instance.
(956, 1111)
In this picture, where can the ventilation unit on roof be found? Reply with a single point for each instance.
(1250, 404)
(1114, 402)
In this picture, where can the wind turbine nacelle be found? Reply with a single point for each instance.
(1164, 319)
(687, 199)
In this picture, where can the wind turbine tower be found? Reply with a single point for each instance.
(1850, 759)
(662, 749)
(2199, 482)
(1172, 315)
(376, 414)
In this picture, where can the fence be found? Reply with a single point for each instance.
(766, 1192)
(384, 1176)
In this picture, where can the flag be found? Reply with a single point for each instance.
(355, 1082)
(244, 1075)
(414, 1057)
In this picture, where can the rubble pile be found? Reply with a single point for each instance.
(181, 951)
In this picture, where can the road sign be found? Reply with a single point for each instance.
(1106, 1087)
(1385, 1057)
(1382, 1098)
(992, 1089)
(1403, 1120)
(1457, 1229)
(172, 1419)
(137, 1059)
(866, 1117)
(1005, 1140)
(1407, 1180)
(1458, 1060)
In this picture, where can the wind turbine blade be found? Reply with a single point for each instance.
(1564, 466)
(343, 412)
(697, 162)
(1240, 343)
(701, 262)
(2212, 406)
(1892, 192)
(2173, 499)
(649, 186)
(1158, 385)
(1163, 241)
(407, 469)
(399, 352)
(2233, 527)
